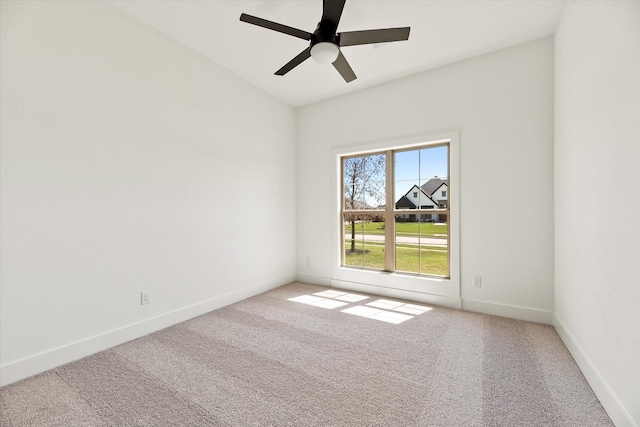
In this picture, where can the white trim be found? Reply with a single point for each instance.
(314, 280)
(15, 371)
(400, 281)
(608, 399)
(421, 285)
(422, 297)
(511, 311)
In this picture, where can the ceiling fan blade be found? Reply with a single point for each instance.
(344, 68)
(275, 26)
(352, 38)
(332, 11)
(305, 54)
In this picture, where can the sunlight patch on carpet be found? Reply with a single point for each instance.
(377, 314)
(399, 306)
(342, 296)
(318, 301)
(329, 299)
(383, 309)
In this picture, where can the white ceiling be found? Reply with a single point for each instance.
(442, 32)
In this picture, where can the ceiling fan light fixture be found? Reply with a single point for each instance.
(325, 52)
(325, 41)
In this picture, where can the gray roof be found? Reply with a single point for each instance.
(405, 203)
(433, 184)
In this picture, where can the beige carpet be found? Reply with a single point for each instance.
(273, 361)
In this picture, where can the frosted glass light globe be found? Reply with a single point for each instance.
(325, 52)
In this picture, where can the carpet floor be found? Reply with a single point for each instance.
(304, 355)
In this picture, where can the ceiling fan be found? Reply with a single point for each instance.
(325, 41)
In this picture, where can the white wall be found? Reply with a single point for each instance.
(438, 197)
(421, 198)
(597, 151)
(502, 105)
(122, 153)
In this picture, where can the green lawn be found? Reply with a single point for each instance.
(402, 228)
(426, 260)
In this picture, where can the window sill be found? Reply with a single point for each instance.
(400, 281)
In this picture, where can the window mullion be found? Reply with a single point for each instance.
(389, 217)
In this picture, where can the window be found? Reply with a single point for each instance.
(444, 194)
(384, 230)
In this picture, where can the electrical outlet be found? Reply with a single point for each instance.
(145, 297)
(477, 282)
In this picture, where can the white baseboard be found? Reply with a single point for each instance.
(511, 311)
(314, 280)
(608, 399)
(15, 371)
(397, 293)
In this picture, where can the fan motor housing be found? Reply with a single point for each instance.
(325, 32)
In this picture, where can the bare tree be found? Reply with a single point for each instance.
(364, 183)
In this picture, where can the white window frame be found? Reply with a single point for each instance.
(442, 291)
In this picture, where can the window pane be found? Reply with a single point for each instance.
(407, 243)
(421, 246)
(434, 173)
(364, 240)
(434, 257)
(364, 182)
(407, 179)
(434, 161)
(421, 178)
